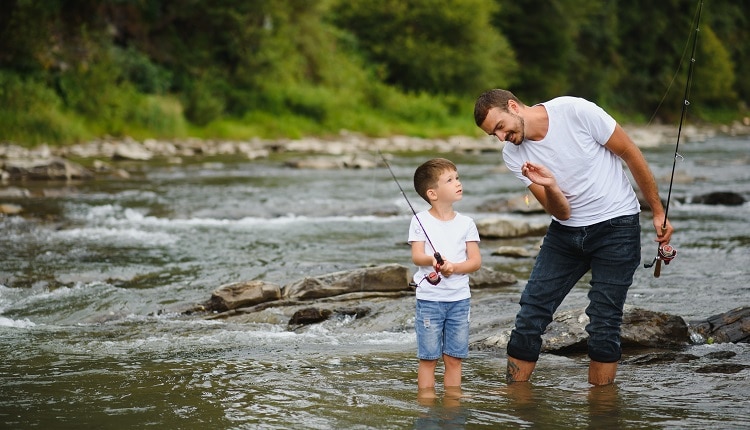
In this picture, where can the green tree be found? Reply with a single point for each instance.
(596, 65)
(436, 46)
(730, 21)
(544, 40)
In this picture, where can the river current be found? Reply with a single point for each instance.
(94, 276)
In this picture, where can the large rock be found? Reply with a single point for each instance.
(53, 168)
(732, 326)
(488, 278)
(727, 198)
(507, 227)
(242, 294)
(131, 150)
(390, 277)
(315, 315)
(567, 332)
(523, 204)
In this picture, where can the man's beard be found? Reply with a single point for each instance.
(521, 133)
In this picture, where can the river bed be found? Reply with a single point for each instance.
(93, 275)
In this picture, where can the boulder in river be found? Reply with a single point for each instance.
(242, 294)
(726, 198)
(567, 332)
(390, 277)
(499, 227)
(731, 326)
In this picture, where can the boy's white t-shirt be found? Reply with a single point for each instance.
(591, 177)
(449, 237)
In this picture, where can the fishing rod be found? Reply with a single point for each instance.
(434, 277)
(667, 253)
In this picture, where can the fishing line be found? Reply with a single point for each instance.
(368, 227)
(433, 278)
(666, 252)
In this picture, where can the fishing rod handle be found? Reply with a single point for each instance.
(439, 258)
(657, 268)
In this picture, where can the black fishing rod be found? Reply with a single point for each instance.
(667, 253)
(433, 278)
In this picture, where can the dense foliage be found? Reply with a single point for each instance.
(72, 70)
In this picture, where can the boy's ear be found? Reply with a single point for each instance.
(432, 194)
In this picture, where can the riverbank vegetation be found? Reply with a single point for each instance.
(76, 70)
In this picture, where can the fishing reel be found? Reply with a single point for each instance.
(433, 277)
(666, 253)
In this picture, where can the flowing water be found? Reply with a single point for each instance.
(94, 276)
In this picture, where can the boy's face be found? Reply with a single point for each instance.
(448, 187)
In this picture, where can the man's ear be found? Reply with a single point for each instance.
(512, 106)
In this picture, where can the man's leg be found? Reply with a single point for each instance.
(558, 267)
(519, 370)
(602, 373)
(617, 256)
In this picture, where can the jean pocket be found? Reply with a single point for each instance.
(625, 221)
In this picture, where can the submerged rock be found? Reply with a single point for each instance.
(314, 315)
(310, 316)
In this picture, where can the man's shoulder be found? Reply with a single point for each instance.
(567, 101)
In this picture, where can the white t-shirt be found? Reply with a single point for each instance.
(590, 176)
(449, 237)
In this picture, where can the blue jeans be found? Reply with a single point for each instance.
(612, 251)
(442, 328)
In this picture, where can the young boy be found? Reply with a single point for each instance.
(442, 311)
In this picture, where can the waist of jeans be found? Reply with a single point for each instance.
(635, 217)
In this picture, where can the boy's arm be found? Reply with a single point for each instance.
(472, 263)
(419, 257)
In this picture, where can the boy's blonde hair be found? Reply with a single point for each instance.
(426, 176)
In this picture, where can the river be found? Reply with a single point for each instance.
(94, 274)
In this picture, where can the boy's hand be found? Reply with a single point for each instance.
(446, 269)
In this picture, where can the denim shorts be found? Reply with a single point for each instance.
(442, 328)
(612, 251)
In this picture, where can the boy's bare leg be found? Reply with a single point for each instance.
(426, 374)
(426, 396)
(519, 370)
(452, 371)
(602, 373)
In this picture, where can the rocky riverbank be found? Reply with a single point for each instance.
(347, 150)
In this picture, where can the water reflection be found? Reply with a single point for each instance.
(448, 414)
(605, 407)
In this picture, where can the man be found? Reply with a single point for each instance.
(569, 153)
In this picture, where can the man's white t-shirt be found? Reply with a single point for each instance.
(449, 237)
(590, 176)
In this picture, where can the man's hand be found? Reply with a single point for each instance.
(663, 231)
(538, 174)
(545, 189)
